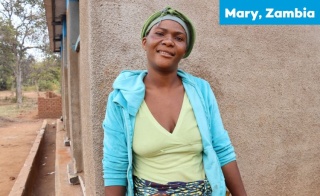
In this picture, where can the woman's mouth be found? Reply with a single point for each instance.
(165, 53)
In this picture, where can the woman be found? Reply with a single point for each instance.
(163, 130)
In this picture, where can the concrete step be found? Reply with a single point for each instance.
(66, 181)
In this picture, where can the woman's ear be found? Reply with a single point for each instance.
(144, 42)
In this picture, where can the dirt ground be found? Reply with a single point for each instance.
(18, 130)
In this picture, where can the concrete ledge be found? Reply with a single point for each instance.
(83, 188)
(72, 176)
(25, 180)
(63, 158)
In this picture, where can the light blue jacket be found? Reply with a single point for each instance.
(123, 104)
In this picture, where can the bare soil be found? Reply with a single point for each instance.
(44, 184)
(18, 130)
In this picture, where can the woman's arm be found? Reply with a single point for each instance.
(115, 191)
(233, 179)
(115, 153)
(220, 139)
(223, 147)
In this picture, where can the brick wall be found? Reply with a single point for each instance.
(49, 106)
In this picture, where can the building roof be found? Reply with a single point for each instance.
(55, 14)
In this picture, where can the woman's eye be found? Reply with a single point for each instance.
(159, 33)
(180, 39)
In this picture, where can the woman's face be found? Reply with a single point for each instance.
(165, 45)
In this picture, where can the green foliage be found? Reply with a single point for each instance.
(46, 73)
(6, 54)
(45, 85)
(7, 42)
(6, 77)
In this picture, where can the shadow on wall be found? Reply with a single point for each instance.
(49, 106)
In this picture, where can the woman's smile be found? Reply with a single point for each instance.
(165, 53)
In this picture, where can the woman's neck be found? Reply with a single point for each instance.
(162, 80)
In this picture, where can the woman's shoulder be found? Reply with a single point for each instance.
(128, 74)
(127, 78)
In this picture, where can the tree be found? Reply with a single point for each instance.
(22, 24)
(46, 73)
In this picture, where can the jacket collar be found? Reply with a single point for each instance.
(131, 89)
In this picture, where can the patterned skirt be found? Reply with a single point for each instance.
(145, 187)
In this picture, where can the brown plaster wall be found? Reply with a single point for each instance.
(266, 79)
(73, 83)
(91, 166)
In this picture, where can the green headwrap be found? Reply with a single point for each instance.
(186, 24)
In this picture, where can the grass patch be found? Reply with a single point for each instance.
(29, 88)
(9, 109)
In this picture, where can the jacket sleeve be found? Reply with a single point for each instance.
(220, 138)
(115, 154)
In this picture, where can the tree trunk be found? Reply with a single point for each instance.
(19, 86)
(37, 87)
(12, 89)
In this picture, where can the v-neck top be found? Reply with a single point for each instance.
(162, 157)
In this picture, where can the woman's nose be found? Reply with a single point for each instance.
(168, 41)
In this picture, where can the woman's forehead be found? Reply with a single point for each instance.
(169, 25)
